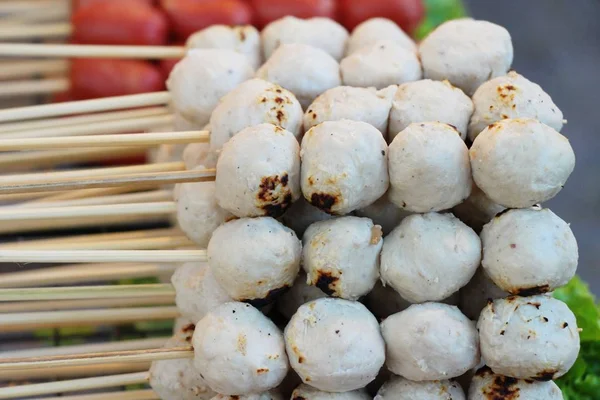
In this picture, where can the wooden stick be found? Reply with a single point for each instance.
(99, 128)
(98, 256)
(143, 179)
(43, 159)
(38, 177)
(75, 372)
(37, 306)
(27, 68)
(134, 139)
(84, 51)
(137, 197)
(41, 13)
(35, 87)
(157, 243)
(35, 31)
(128, 395)
(20, 322)
(74, 195)
(73, 385)
(121, 345)
(8, 364)
(85, 106)
(82, 274)
(86, 292)
(17, 6)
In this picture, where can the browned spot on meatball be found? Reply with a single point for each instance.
(453, 127)
(504, 116)
(492, 126)
(314, 115)
(532, 291)
(242, 343)
(483, 371)
(279, 100)
(242, 35)
(232, 218)
(188, 328)
(513, 246)
(274, 196)
(298, 398)
(278, 90)
(514, 106)
(327, 282)
(281, 116)
(491, 108)
(261, 371)
(545, 375)
(324, 201)
(502, 388)
(311, 180)
(376, 234)
(263, 100)
(564, 325)
(271, 296)
(307, 379)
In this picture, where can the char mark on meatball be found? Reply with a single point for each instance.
(274, 195)
(327, 283)
(503, 388)
(269, 298)
(324, 201)
(545, 375)
(532, 291)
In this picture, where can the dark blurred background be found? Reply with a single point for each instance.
(557, 45)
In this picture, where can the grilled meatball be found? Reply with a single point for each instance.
(241, 39)
(486, 385)
(305, 392)
(398, 388)
(375, 29)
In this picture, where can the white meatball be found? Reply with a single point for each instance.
(183, 329)
(341, 256)
(239, 351)
(430, 341)
(398, 388)
(204, 76)
(429, 168)
(428, 101)
(335, 345)
(300, 293)
(344, 166)
(322, 33)
(304, 70)
(486, 385)
(467, 53)
(358, 104)
(199, 155)
(381, 64)
(178, 379)
(512, 96)
(384, 213)
(521, 162)
(254, 259)
(301, 215)
(272, 395)
(528, 337)
(198, 213)
(429, 256)
(477, 210)
(241, 39)
(529, 251)
(197, 291)
(254, 102)
(476, 294)
(305, 392)
(250, 186)
(373, 30)
(384, 301)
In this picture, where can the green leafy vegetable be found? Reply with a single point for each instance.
(438, 12)
(582, 382)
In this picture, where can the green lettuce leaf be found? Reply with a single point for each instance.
(582, 382)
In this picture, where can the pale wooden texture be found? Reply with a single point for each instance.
(86, 292)
(83, 273)
(46, 159)
(35, 31)
(75, 372)
(20, 322)
(131, 139)
(128, 395)
(97, 256)
(71, 195)
(60, 305)
(8, 364)
(27, 68)
(83, 51)
(33, 87)
(84, 106)
(142, 179)
(73, 385)
(18, 6)
(137, 197)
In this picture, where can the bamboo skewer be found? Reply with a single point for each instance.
(137, 197)
(84, 194)
(128, 395)
(28, 68)
(135, 139)
(37, 306)
(24, 214)
(86, 292)
(83, 273)
(56, 13)
(17, 6)
(143, 179)
(73, 385)
(35, 87)
(99, 128)
(157, 243)
(82, 51)
(8, 364)
(85, 106)
(76, 372)
(35, 31)
(99, 256)
(80, 119)
(20, 322)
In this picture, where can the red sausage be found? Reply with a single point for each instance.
(85, 3)
(406, 13)
(270, 10)
(120, 22)
(190, 16)
(93, 78)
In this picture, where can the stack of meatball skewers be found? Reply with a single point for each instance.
(370, 212)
